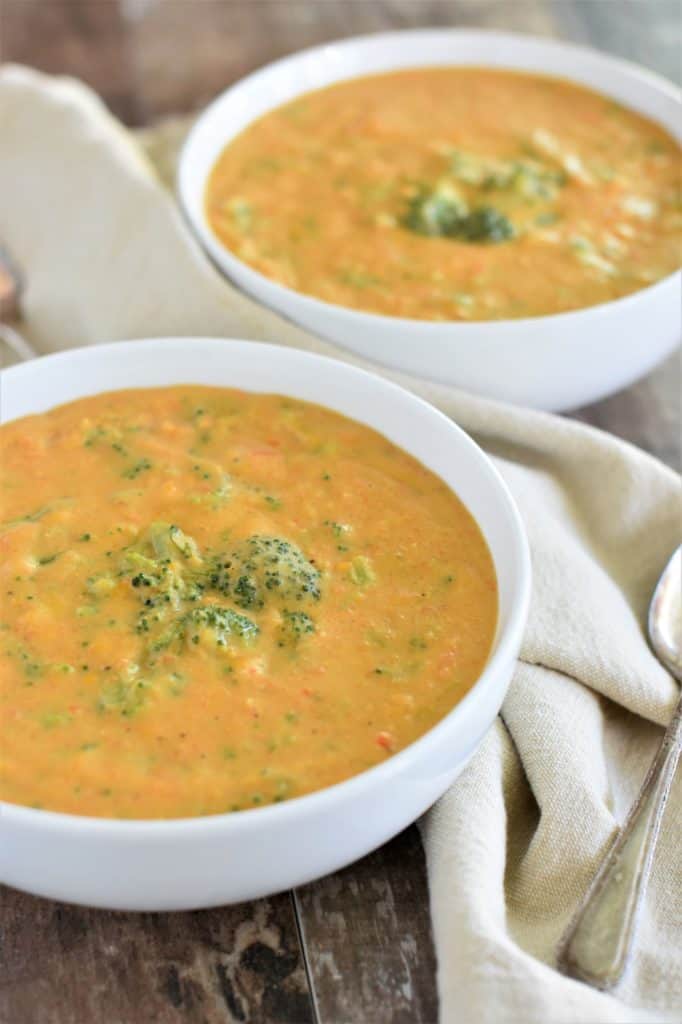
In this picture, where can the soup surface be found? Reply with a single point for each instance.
(213, 600)
(452, 194)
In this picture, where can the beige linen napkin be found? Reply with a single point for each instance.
(512, 846)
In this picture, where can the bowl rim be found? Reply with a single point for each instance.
(217, 251)
(505, 646)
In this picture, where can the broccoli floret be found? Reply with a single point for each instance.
(174, 571)
(247, 593)
(185, 544)
(528, 178)
(261, 567)
(169, 541)
(143, 579)
(294, 625)
(224, 623)
(535, 182)
(167, 564)
(435, 212)
(441, 213)
(484, 224)
(172, 579)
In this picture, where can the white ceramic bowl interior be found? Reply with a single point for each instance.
(552, 362)
(198, 862)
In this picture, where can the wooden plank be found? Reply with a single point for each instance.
(223, 41)
(70, 965)
(220, 43)
(367, 936)
(75, 37)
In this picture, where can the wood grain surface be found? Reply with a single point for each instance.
(75, 966)
(355, 947)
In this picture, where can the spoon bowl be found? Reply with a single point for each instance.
(665, 617)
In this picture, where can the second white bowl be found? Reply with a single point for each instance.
(551, 362)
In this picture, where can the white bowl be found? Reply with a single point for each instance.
(550, 362)
(199, 862)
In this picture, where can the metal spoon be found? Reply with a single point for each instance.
(599, 940)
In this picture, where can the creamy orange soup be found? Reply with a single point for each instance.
(452, 194)
(213, 600)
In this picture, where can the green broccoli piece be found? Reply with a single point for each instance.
(165, 566)
(143, 579)
(441, 213)
(535, 182)
(172, 580)
(247, 593)
(169, 541)
(161, 633)
(294, 625)
(185, 544)
(484, 224)
(224, 623)
(435, 212)
(174, 571)
(261, 567)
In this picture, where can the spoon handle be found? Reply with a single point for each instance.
(597, 944)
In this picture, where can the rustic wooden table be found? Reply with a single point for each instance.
(355, 947)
